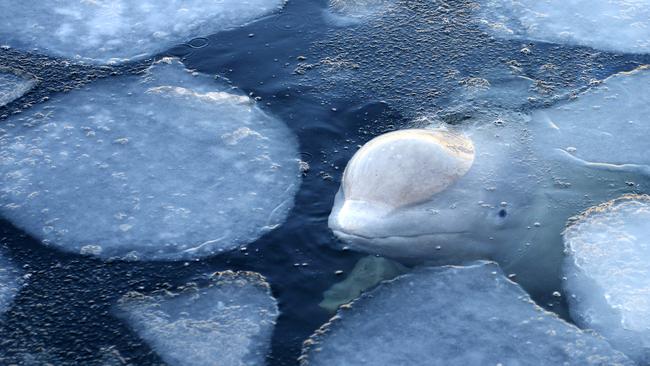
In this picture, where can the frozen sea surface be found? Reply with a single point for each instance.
(106, 31)
(608, 276)
(453, 316)
(167, 165)
(227, 322)
(13, 85)
(622, 26)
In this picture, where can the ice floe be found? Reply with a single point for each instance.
(104, 31)
(14, 84)
(621, 26)
(606, 128)
(453, 316)
(228, 322)
(168, 165)
(608, 275)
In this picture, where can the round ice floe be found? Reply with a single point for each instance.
(608, 274)
(228, 322)
(14, 84)
(453, 316)
(168, 165)
(622, 26)
(102, 31)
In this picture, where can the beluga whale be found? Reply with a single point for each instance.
(390, 180)
(437, 194)
(500, 186)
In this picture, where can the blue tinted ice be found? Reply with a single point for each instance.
(104, 31)
(608, 275)
(622, 26)
(167, 165)
(228, 322)
(453, 316)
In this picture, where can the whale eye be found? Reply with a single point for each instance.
(503, 213)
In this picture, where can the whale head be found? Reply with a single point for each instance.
(416, 194)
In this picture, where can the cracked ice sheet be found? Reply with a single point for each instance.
(106, 31)
(620, 26)
(228, 322)
(607, 271)
(453, 316)
(166, 166)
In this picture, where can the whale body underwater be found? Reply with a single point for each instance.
(496, 188)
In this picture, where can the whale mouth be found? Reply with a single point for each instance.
(405, 246)
(449, 247)
(377, 225)
(344, 235)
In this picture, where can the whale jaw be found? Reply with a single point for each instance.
(369, 228)
(439, 248)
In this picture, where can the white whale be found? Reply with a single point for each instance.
(498, 188)
(434, 193)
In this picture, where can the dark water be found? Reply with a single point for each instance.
(65, 308)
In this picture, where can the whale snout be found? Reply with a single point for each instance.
(357, 218)
(404, 234)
